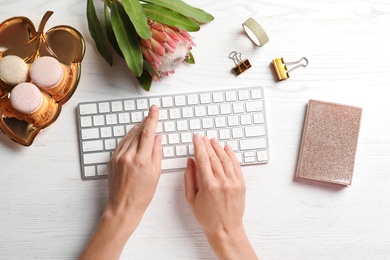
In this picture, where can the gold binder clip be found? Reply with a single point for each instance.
(241, 65)
(281, 70)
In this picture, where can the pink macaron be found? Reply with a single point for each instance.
(26, 98)
(46, 72)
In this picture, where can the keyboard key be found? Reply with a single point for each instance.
(205, 98)
(181, 150)
(129, 105)
(111, 119)
(212, 110)
(262, 156)
(88, 109)
(258, 118)
(116, 106)
(218, 97)
(187, 112)
(182, 125)
(220, 121)
(110, 144)
(85, 121)
(251, 144)
(102, 169)
(180, 100)
(136, 117)
(174, 163)
(256, 93)
(142, 104)
(92, 146)
(186, 137)
(168, 151)
(98, 120)
(119, 130)
(251, 131)
(192, 99)
(243, 94)
(226, 109)
(124, 118)
(253, 106)
(173, 138)
(194, 124)
(104, 107)
(238, 108)
(174, 113)
(237, 132)
(102, 157)
(169, 126)
(233, 120)
(106, 132)
(154, 101)
(89, 133)
(167, 101)
(224, 134)
(207, 123)
(200, 111)
(89, 171)
(231, 96)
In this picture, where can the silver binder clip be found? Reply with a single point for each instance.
(280, 67)
(241, 65)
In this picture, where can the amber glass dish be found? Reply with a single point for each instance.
(19, 37)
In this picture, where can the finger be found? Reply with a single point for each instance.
(124, 144)
(202, 160)
(190, 182)
(234, 160)
(224, 158)
(145, 137)
(157, 154)
(215, 163)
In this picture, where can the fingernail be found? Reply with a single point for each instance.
(214, 141)
(153, 108)
(197, 137)
(206, 139)
(228, 147)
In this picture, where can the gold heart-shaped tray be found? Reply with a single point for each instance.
(18, 37)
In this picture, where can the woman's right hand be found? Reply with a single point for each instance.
(215, 190)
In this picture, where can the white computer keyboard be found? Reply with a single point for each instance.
(234, 116)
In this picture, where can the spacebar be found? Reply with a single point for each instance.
(174, 163)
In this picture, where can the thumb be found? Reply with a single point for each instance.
(190, 181)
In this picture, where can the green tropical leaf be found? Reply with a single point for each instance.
(127, 38)
(96, 31)
(191, 59)
(185, 9)
(149, 68)
(145, 80)
(137, 16)
(167, 16)
(109, 30)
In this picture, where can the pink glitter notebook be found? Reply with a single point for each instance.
(329, 142)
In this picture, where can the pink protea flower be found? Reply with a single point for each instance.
(166, 49)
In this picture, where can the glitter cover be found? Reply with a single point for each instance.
(329, 142)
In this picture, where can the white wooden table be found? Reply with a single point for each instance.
(48, 212)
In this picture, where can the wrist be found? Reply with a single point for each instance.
(121, 217)
(231, 244)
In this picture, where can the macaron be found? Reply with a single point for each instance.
(26, 98)
(13, 70)
(46, 72)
